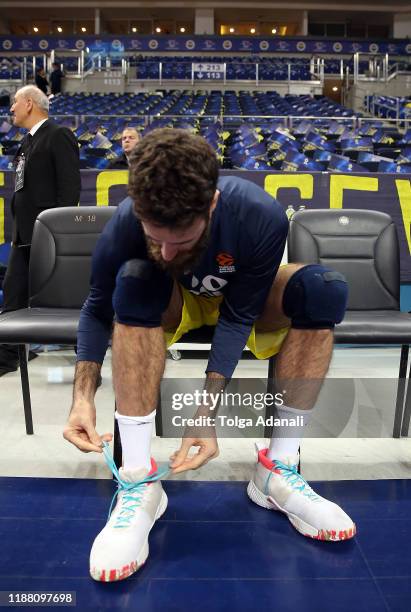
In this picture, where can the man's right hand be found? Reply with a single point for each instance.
(80, 429)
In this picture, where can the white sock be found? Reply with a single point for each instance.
(135, 434)
(286, 438)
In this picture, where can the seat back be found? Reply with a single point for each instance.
(361, 244)
(60, 259)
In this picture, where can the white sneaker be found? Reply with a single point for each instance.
(277, 485)
(121, 548)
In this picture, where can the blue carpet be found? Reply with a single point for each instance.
(213, 549)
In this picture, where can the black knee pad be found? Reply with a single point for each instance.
(315, 298)
(142, 293)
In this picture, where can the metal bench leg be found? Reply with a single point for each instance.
(25, 387)
(269, 410)
(407, 407)
(400, 391)
(117, 449)
(159, 419)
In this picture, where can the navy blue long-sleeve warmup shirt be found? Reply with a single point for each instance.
(247, 237)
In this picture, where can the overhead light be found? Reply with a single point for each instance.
(134, 29)
(335, 88)
(35, 29)
(59, 29)
(252, 30)
(182, 30)
(83, 29)
(158, 30)
(274, 31)
(231, 30)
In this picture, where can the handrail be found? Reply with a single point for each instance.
(378, 64)
(394, 72)
(287, 120)
(373, 104)
(211, 76)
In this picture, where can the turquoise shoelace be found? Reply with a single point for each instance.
(133, 491)
(293, 478)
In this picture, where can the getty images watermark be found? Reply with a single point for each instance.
(223, 399)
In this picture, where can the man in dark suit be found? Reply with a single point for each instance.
(129, 138)
(47, 176)
(55, 78)
(41, 81)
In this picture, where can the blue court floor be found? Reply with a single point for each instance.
(212, 550)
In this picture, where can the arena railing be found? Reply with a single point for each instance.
(253, 72)
(379, 67)
(287, 120)
(373, 105)
(360, 67)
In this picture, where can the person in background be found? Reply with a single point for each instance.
(41, 81)
(129, 139)
(47, 176)
(56, 76)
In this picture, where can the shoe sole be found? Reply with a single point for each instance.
(113, 575)
(301, 526)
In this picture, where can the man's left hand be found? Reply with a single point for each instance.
(181, 462)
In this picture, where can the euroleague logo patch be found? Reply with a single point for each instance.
(225, 262)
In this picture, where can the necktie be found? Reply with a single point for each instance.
(26, 144)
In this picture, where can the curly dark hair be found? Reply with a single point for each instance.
(173, 177)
